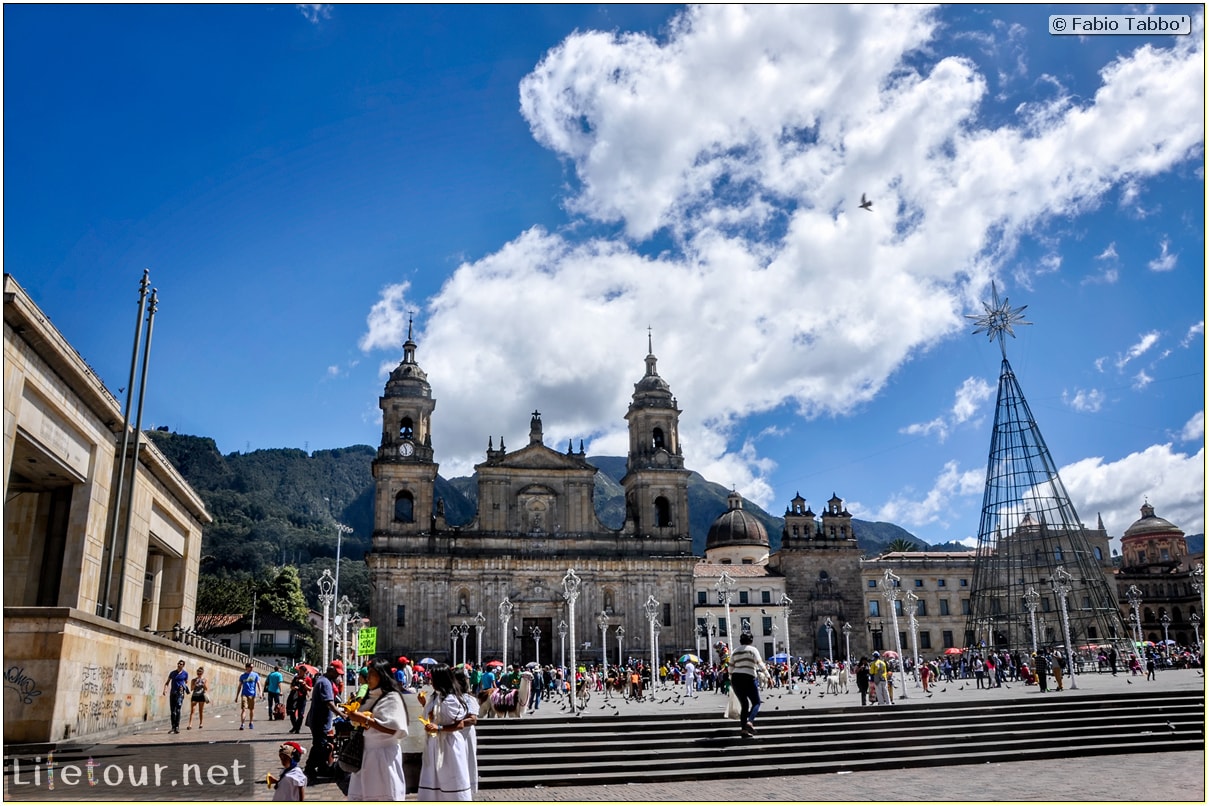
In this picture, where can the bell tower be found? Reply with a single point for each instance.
(656, 483)
(404, 470)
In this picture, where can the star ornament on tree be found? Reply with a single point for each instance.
(998, 318)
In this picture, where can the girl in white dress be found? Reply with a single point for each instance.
(445, 774)
(383, 717)
(462, 682)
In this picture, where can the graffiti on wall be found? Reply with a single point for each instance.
(108, 694)
(16, 680)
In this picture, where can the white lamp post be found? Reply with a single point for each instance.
(1134, 595)
(1061, 584)
(726, 587)
(830, 644)
(652, 613)
(326, 588)
(536, 633)
(785, 602)
(1196, 629)
(344, 609)
(890, 592)
(711, 631)
(620, 633)
(453, 638)
(847, 630)
(602, 621)
(571, 586)
(480, 621)
(562, 648)
(1165, 620)
(505, 611)
(1031, 601)
(913, 626)
(341, 531)
(464, 630)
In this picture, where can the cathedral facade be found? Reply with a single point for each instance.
(494, 587)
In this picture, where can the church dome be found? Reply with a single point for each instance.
(735, 527)
(1151, 524)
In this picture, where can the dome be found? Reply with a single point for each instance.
(1150, 524)
(736, 527)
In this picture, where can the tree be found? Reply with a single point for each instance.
(901, 544)
(282, 596)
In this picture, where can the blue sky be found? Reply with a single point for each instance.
(542, 183)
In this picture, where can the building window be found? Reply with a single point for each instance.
(743, 599)
(766, 623)
(898, 607)
(873, 583)
(404, 507)
(921, 608)
(919, 583)
(765, 597)
(748, 561)
(702, 598)
(940, 583)
(944, 607)
(266, 639)
(721, 626)
(667, 615)
(400, 615)
(925, 640)
(965, 607)
(1099, 554)
(947, 637)
(875, 608)
(768, 651)
(965, 583)
(663, 513)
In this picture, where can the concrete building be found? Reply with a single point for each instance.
(1155, 560)
(76, 663)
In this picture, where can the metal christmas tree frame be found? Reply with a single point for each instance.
(1037, 582)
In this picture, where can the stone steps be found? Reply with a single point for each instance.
(590, 750)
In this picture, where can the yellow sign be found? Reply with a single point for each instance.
(367, 642)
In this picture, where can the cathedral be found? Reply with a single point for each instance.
(495, 587)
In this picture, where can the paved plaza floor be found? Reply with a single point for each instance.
(1142, 777)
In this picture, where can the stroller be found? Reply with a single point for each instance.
(326, 768)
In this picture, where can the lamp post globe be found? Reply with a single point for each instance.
(505, 614)
(480, 621)
(327, 587)
(571, 587)
(651, 608)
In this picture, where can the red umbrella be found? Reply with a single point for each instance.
(954, 650)
(890, 653)
(494, 663)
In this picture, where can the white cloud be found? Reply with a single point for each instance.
(1165, 261)
(967, 399)
(1194, 429)
(1141, 380)
(314, 12)
(906, 510)
(1173, 482)
(1084, 400)
(1145, 342)
(1196, 330)
(746, 134)
(1109, 269)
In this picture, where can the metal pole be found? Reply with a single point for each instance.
(913, 625)
(505, 612)
(103, 605)
(620, 633)
(562, 647)
(1031, 600)
(1062, 587)
(725, 587)
(1134, 595)
(326, 586)
(603, 621)
(890, 591)
(652, 612)
(711, 630)
(138, 433)
(830, 650)
(341, 531)
(847, 630)
(479, 621)
(571, 586)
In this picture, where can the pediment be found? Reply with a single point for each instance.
(538, 457)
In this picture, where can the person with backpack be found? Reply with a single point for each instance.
(746, 665)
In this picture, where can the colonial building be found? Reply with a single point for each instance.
(1168, 581)
(433, 582)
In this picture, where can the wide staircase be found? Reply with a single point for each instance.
(616, 748)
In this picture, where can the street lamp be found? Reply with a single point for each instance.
(602, 621)
(355, 635)
(341, 531)
(571, 586)
(480, 621)
(562, 647)
(344, 608)
(536, 632)
(785, 602)
(505, 611)
(327, 587)
(1165, 620)
(1061, 584)
(711, 631)
(1134, 595)
(651, 608)
(658, 629)
(1032, 600)
(913, 626)
(620, 633)
(890, 592)
(1196, 629)
(464, 630)
(830, 647)
(847, 631)
(454, 634)
(725, 586)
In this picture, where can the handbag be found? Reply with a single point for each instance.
(352, 752)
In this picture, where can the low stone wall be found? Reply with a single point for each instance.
(69, 674)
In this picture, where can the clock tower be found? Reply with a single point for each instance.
(404, 470)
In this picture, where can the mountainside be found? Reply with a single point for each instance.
(278, 506)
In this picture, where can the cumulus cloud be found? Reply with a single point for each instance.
(916, 511)
(1145, 342)
(314, 12)
(386, 324)
(1085, 400)
(1174, 482)
(967, 400)
(1196, 330)
(1165, 261)
(744, 136)
(1194, 429)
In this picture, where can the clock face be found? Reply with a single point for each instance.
(407, 449)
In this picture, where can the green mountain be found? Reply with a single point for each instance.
(279, 507)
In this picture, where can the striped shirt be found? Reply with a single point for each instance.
(746, 660)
